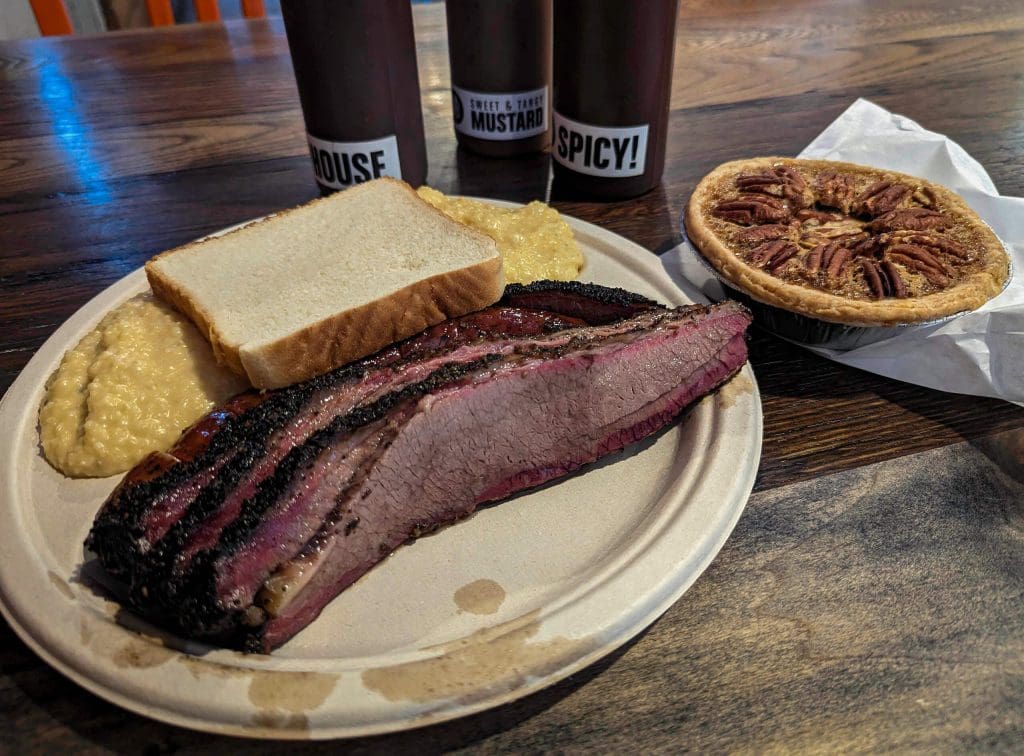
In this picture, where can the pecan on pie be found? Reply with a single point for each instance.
(844, 243)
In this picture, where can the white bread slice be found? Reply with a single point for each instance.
(325, 283)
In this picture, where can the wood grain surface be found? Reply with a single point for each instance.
(115, 147)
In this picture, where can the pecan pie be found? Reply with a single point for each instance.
(844, 243)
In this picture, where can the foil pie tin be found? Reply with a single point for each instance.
(803, 329)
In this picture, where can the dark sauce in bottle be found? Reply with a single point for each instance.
(355, 66)
(612, 83)
(500, 54)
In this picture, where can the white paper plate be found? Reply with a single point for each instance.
(514, 599)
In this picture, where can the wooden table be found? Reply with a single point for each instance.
(872, 595)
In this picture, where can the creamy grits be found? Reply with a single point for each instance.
(534, 241)
(129, 387)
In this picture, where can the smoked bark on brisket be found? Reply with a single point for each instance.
(269, 508)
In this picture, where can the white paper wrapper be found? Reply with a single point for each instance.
(980, 353)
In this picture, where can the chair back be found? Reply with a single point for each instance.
(53, 19)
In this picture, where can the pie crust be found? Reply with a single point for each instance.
(844, 243)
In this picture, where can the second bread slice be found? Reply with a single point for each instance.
(336, 279)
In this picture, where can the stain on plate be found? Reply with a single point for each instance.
(61, 585)
(738, 386)
(285, 698)
(492, 658)
(480, 597)
(142, 653)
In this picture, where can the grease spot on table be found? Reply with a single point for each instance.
(61, 585)
(482, 596)
(499, 658)
(739, 385)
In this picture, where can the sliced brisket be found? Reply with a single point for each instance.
(270, 507)
(594, 304)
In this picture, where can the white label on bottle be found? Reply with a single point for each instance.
(612, 151)
(341, 164)
(500, 116)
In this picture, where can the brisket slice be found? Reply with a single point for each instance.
(167, 505)
(168, 577)
(595, 304)
(511, 426)
(291, 484)
(253, 545)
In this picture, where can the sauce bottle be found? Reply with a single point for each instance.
(612, 82)
(500, 55)
(355, 66)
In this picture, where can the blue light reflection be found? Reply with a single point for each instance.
(73, 134)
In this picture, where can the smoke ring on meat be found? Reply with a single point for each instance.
(272, 505)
